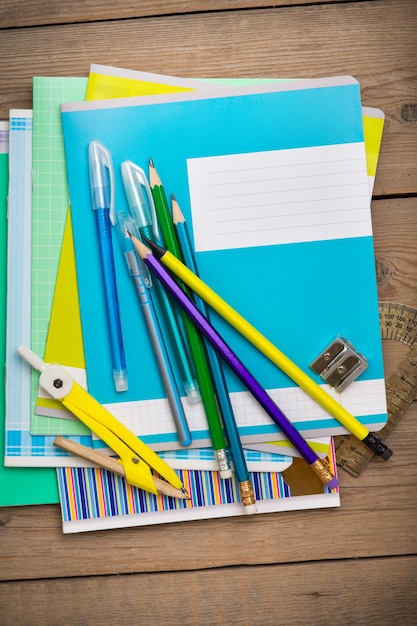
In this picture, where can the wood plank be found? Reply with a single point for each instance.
(227, 44)
(17, 13)
(360, 593)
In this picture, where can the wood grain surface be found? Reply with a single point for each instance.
(330, 593)
(355, 565)
(28, 13)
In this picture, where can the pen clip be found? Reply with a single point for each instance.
(141, 205)
(126, 226)
(100, 160)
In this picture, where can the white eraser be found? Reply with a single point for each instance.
(227, 473)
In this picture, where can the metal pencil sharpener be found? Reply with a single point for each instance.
(339, 364)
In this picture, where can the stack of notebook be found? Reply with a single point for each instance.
(274, 180)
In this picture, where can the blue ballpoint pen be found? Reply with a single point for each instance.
(126, 226)
(102, 197)
(142, 209)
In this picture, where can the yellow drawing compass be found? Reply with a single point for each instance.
(135, 458)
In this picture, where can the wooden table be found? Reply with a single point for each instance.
(354, 565)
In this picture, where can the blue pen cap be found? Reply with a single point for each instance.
(139, 196)
(101, 177)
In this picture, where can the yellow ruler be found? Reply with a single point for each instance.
(398, 322)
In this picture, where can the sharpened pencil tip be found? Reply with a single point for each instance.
(158, 251)
(154, 180)
(140, 247)
(177, 215)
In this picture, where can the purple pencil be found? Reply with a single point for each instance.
(259, 393)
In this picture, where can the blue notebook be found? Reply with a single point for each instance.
(18, 485)
(273, 184)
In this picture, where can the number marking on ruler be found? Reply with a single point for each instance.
(398, 322)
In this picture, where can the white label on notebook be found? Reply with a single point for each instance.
(279, 197)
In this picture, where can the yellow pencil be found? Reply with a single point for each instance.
(271, 351)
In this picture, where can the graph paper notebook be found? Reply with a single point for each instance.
(52, 238)
(302, 299)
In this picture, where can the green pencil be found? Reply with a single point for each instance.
(196, 345)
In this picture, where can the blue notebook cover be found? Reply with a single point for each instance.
(272, 182)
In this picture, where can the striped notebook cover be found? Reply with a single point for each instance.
(95, 499)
